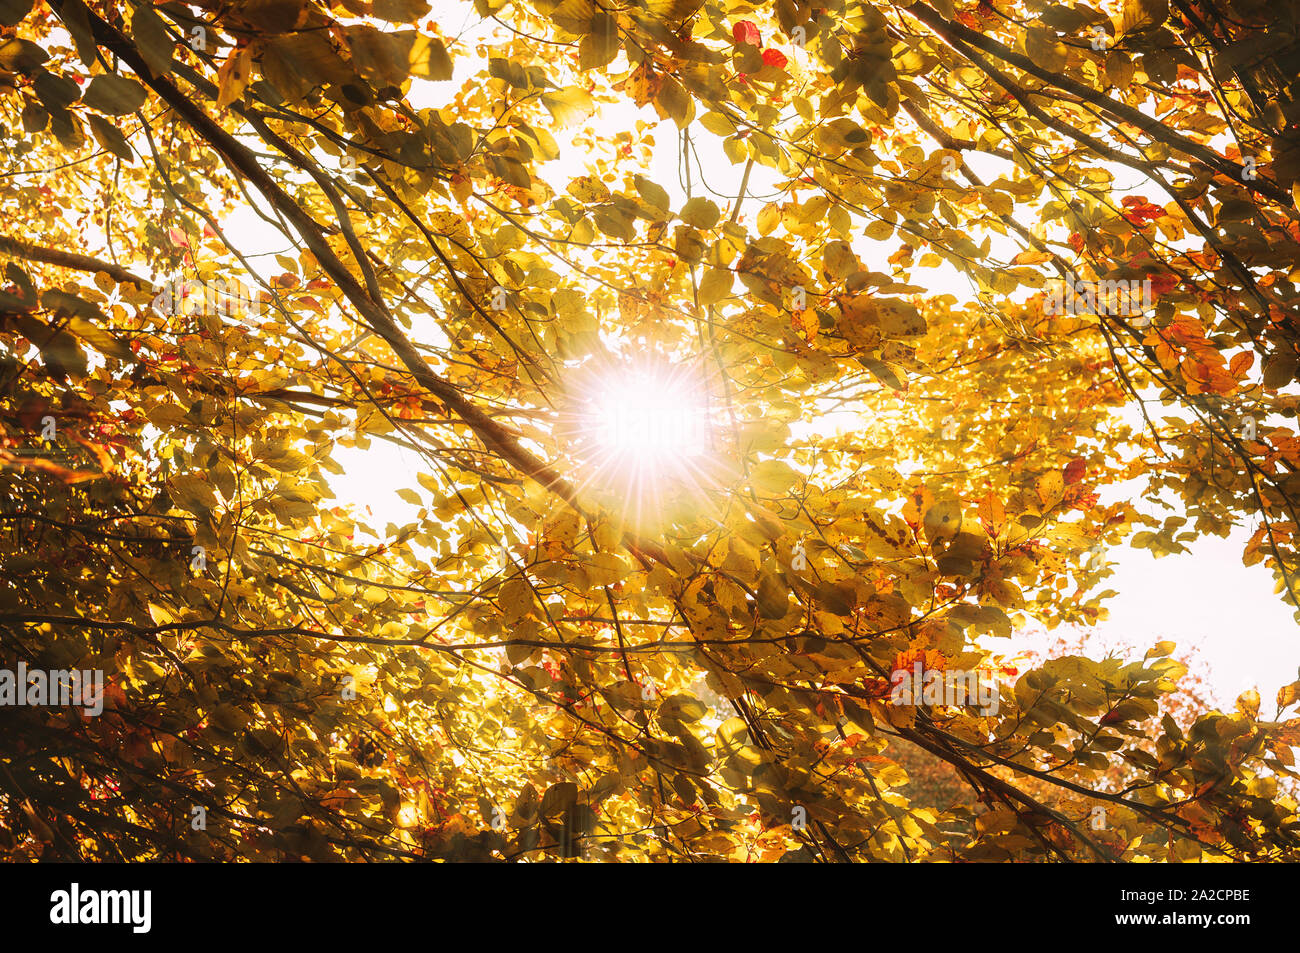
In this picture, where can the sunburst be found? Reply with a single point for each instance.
(641, 436)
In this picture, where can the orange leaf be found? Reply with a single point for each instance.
(1075, 470)
(992, 512)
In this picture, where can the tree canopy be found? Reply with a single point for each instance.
(561, 653)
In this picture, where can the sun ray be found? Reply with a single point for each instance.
(641, 437)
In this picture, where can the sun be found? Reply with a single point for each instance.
(649, 422)
(641, 432)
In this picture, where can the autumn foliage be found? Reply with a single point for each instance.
(248, 244)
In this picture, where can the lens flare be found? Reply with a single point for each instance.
(649, 424)
(641, 434)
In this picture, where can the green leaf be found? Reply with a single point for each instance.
(13, 12)
(151, 36)
(114, 95)
(21, 56)
(111, 138)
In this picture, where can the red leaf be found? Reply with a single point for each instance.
(1140, 211)
(775, 58)
(745, 32)
(1075, 469)
(1163, 284)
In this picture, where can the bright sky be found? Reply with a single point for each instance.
(1219, 611)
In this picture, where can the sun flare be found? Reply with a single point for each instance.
(649, 423)
(642, 433)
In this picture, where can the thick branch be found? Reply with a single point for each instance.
(68, 259)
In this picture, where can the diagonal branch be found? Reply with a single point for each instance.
(68, 259)
(1153, 127)
(243, 162)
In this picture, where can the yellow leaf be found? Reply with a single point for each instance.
(768, 219)
(1248, 703)
(992, 512)
(715, 286)
(1050, 486)
(878, 230)
(1287, 695)
(233, 76)
(943, 520)
(1045, 49)
(773, 477)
